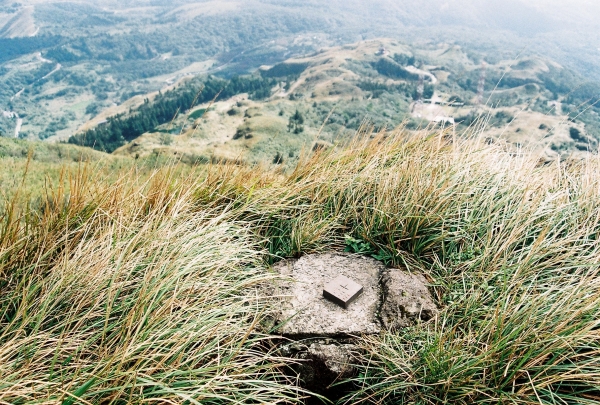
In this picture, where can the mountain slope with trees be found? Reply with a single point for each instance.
(324, 98)
(109, 51)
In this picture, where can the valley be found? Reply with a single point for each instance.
(68, 65)
(375, 83)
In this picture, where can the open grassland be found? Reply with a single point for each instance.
(139, 289)
(29, 169)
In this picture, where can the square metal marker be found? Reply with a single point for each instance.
(342, 291)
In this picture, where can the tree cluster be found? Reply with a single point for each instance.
(123, 128)
(13, 48)
(394, 70)
(296, 123)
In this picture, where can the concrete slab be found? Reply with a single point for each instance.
(305, 312)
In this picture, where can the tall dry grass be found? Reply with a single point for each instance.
(510, 246)
(128, 293)
(155, 273)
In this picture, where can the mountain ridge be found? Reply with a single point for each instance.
(526, 103)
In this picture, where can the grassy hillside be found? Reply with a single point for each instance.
(29, 166)
(529, 102)
(89, 57)
(139, 290)
(29, 170)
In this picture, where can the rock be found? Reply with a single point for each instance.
(406, 299)
(323, 363)
(304, 310)
(336, 359)
(322, 333)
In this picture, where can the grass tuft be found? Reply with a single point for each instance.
(125, 293)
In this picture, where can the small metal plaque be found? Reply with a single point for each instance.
(342, 291)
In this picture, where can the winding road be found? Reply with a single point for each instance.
(417, 71)
(56, 69)
(20, 120)
(17, 94)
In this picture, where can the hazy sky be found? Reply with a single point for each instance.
(586, 11)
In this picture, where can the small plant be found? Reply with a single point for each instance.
(384, 256)
(296, 122)
(361, 247)
(166, 139)
(358, 246)
(278, 159)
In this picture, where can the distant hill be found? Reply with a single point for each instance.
(527, 103)
(21, 24)
(63, 62)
